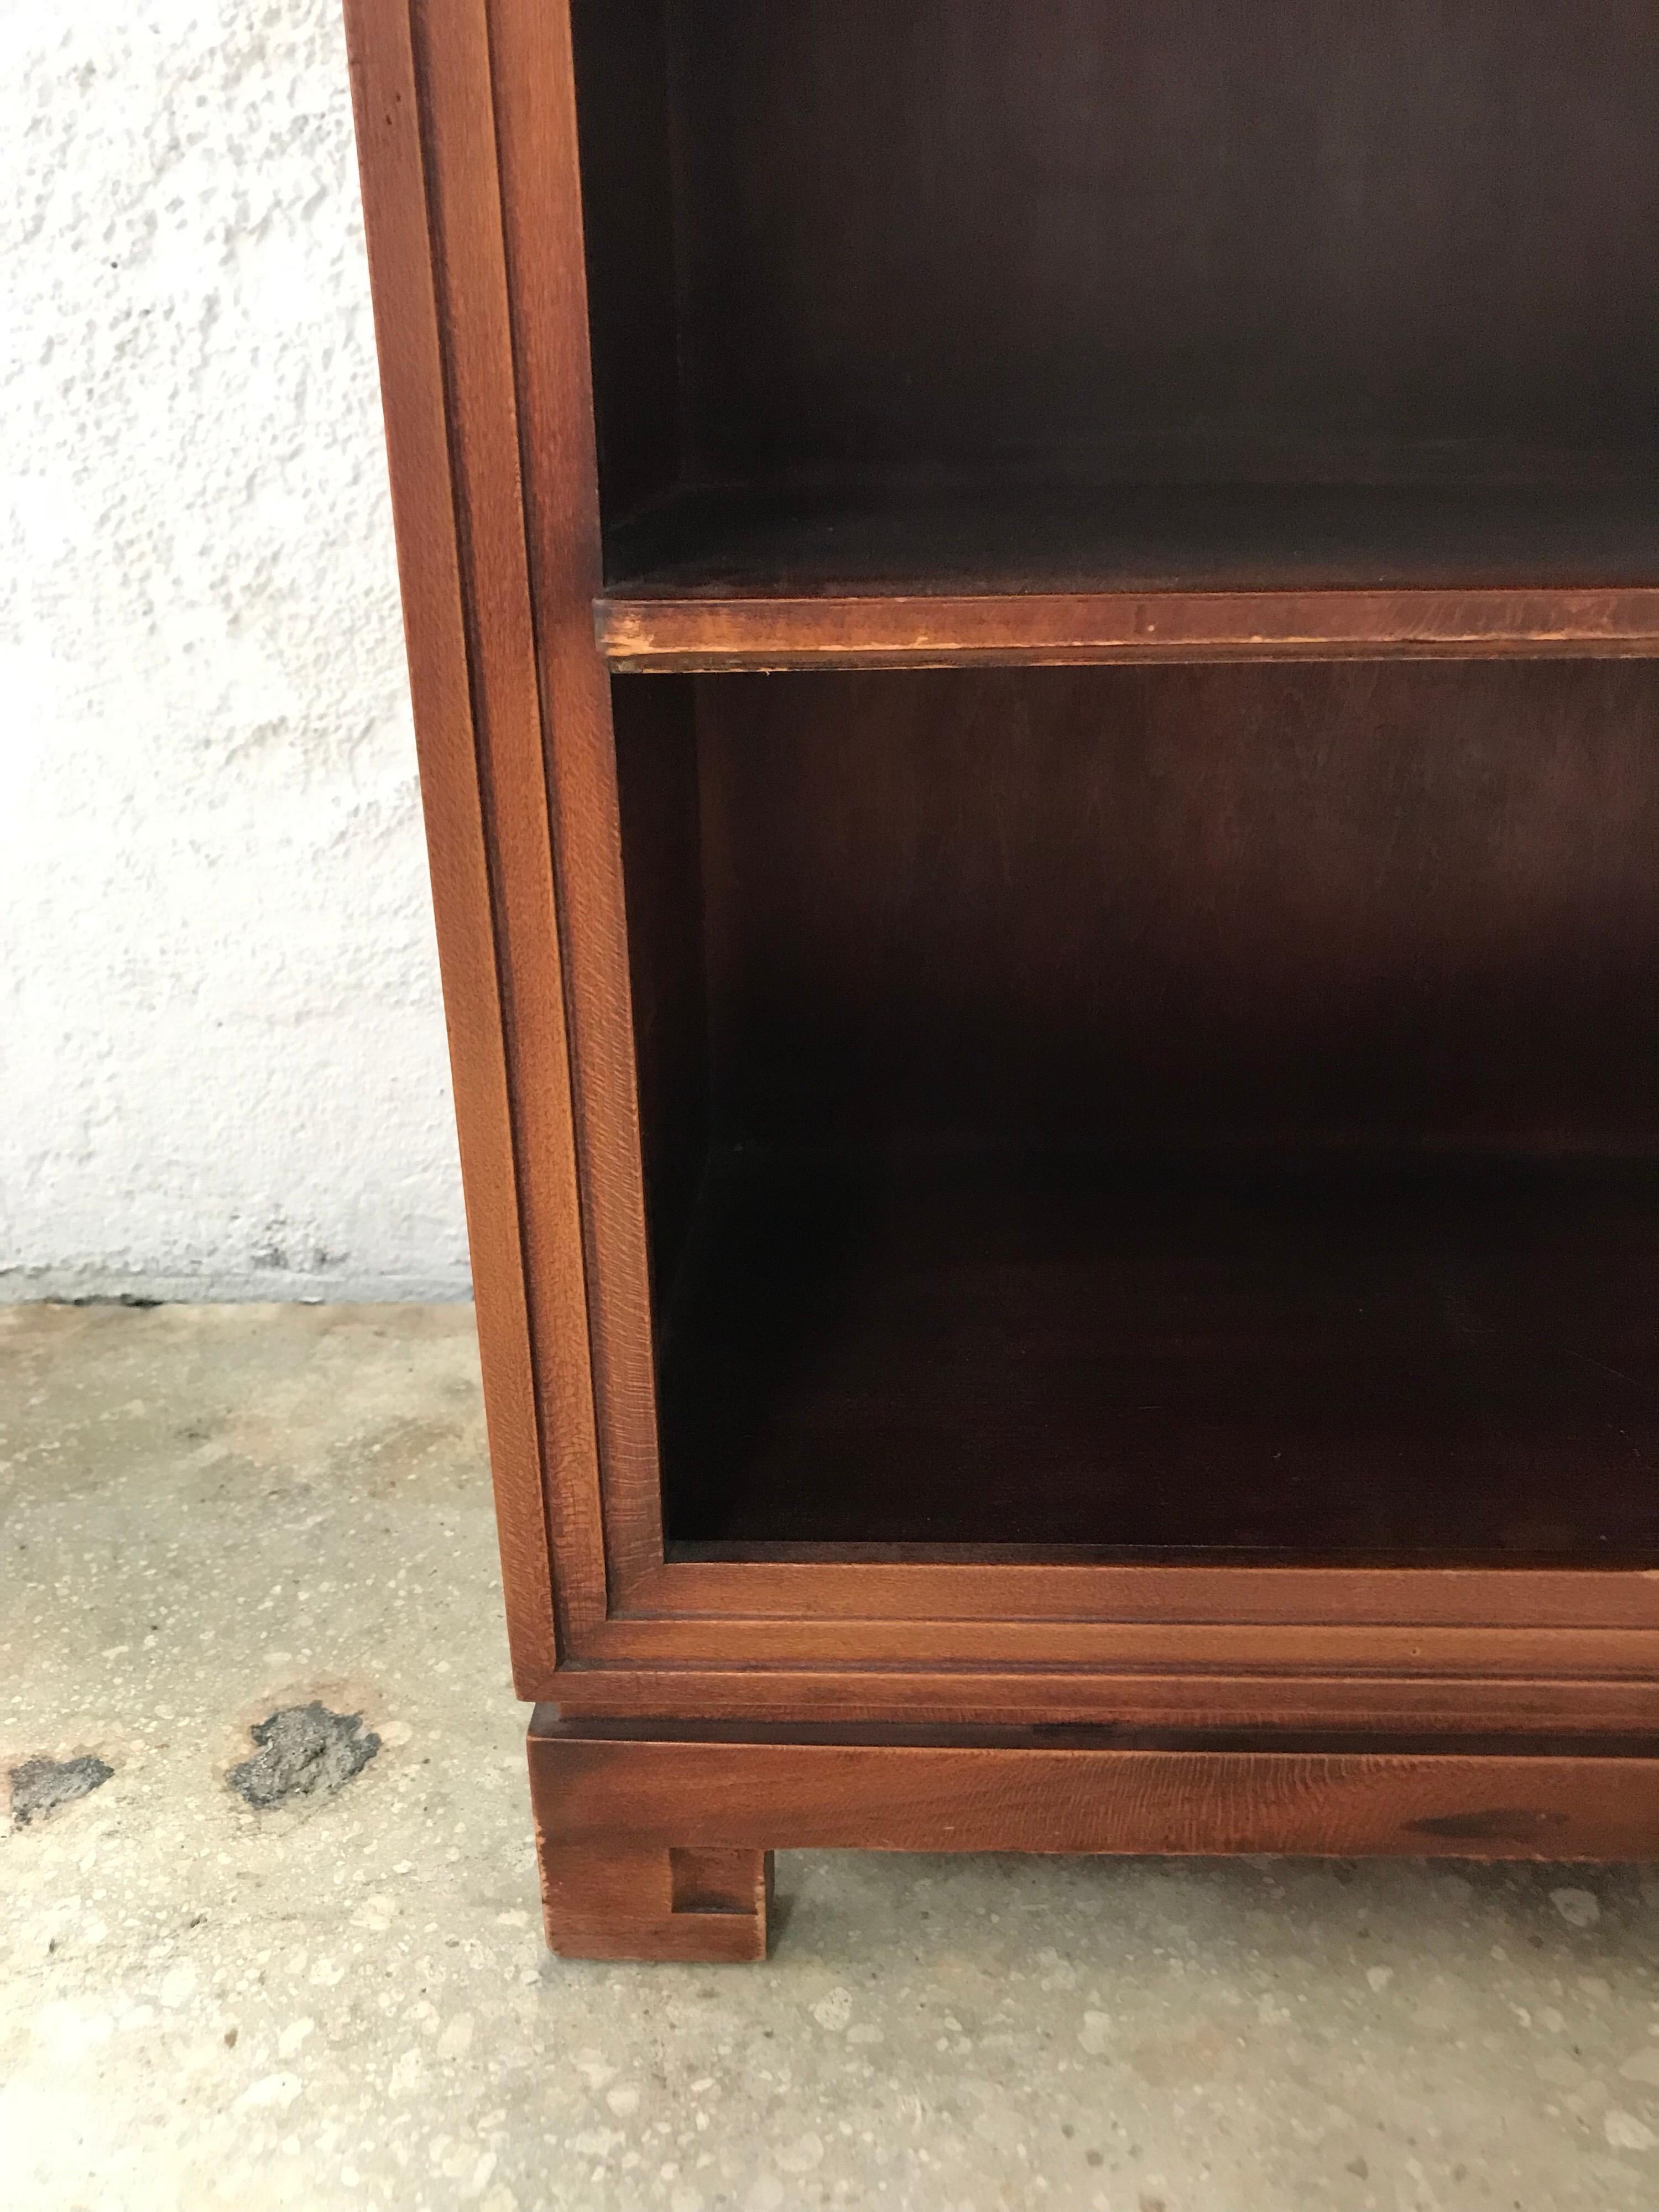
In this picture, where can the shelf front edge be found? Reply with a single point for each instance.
(645, 633)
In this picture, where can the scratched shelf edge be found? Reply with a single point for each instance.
(643, 633)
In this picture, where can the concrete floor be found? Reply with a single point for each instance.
(211, 1512)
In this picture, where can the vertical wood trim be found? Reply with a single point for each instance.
(452, 58)
(423, 497)
(541, 183)
(456, 571)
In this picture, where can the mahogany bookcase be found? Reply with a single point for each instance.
(1033, 627)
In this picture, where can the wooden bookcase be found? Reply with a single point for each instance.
(1035, 632)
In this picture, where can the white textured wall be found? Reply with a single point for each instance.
(221, 1053)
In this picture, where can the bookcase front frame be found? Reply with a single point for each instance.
(467, 134)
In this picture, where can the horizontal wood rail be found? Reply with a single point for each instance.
(648, 633)
(655, 1840)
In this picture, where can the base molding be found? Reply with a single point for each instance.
(654, 1839)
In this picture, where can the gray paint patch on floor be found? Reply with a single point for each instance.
(39, 1786)
(303, 1749)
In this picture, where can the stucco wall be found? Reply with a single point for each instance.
(221, 1052)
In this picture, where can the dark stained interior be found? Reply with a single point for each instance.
(963, 289)
(1201, 1108)
(1197, 1110)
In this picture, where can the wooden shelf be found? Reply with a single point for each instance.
(1134, 573)
(711, 580)
(1308, 1360)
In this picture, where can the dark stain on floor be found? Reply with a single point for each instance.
(303, 1749)
(40, 1786)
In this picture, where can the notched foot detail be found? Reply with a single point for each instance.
(722, 1881)
(625, 1900)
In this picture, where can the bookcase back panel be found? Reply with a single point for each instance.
(1387, 903)
(1188, 1109)
(1196, 239)
(1200, 1108)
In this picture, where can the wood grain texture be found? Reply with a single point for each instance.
(941, 332)
(1182, 911)
(1430, 1364)
(427, 509)
(911, 628)
(1126, 574)
(1599, 1654)
(535, 118)
(659, 780)
(608, 1797)
(487, 96)
(620, 52)
(453, 64)
(902, 358)
(1158, 1108)
(1199, 1696)
(614, 1898)
(1426, 544)
(1400, 244)
(987, 1584)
